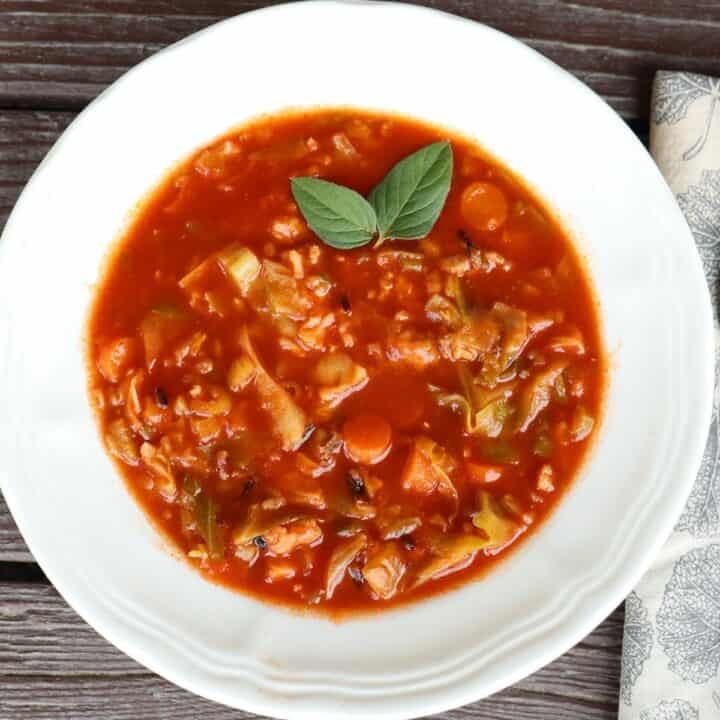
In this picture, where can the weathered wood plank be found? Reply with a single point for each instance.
(73, 673)
(12, 546)
(59, 53)
(25, 137)
(151, 697)
(643, 22)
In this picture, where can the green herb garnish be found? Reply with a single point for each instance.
(339, 216)
(405, 205)
(410, 198)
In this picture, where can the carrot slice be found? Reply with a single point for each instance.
(367, 438)
(484, 207)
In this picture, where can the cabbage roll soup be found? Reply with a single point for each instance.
(345, 360)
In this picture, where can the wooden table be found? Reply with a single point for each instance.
(56, 56)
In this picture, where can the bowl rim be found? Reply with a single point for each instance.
(581, 622)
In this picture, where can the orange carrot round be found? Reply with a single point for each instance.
(367, 438)
(484, 207)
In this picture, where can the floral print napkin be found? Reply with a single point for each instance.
(671, 647)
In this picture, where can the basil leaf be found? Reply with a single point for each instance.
(339, 216)
(410, 198)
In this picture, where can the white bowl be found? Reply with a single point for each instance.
(93, 541)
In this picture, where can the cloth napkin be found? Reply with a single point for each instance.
(671, 646)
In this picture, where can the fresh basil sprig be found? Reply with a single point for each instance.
(405, 205)
(339, 216)
(410, 198)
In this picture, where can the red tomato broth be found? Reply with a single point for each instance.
(232, 192)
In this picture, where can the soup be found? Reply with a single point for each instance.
(345, 419)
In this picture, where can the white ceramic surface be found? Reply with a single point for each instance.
(95, 544)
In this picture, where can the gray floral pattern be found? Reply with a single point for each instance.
(671, 710)
(637, 645)
(688, 622)
(701, 516)
(701, 207)
(677, 604)
(675, 93)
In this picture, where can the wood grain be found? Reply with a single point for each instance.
(150, 697)
(60, 53)
(12, 546)
(75, 674)
(25, 137)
